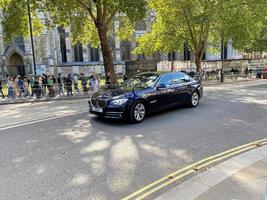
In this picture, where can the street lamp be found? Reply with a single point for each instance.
(31, 33)
(222, 58)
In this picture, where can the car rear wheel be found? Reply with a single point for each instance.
(194, 99)
(138, 112)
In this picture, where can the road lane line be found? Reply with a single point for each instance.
(167, 180)
(42, 120)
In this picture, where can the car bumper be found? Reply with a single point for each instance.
(112, 113)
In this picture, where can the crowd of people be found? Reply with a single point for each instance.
(48, 85)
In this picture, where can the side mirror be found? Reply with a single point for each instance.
(161, 86)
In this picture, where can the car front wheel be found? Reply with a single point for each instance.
(138, 112)
(194, 99)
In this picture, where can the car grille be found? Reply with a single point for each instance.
(100, 103)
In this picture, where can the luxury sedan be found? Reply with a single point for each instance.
(146, 93)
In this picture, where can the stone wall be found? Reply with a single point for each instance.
(133, 67)
(87, 69)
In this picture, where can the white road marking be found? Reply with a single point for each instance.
(42, 120)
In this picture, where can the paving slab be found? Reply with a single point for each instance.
(243, 177)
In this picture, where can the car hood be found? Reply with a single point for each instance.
(113, 93)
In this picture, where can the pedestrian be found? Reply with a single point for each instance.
(26, 87)
(68, 82)
(37, 87)
(50, 86)
(84, 83)
(32, 81)
(76, 83)
(246, 73)
(20, 86)
(94, 84)
(125, 78)
(60, 85)
(258, 72)
(44, 84)
(40, 87)
(1, 89)
(232, 72)
(107, 78)
(10, 84)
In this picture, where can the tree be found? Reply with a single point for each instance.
(91, 20)
(202, 22)
(260, 43)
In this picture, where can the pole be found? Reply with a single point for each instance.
(222, 57)
(31, 33)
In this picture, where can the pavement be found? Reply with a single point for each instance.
(58, 151)
(243, 177)
(6, 101)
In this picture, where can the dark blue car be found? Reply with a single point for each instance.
(146, 93)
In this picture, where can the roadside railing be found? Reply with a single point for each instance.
(226, 75)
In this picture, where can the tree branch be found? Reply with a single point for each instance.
(111, 16)
(189, 27)
(88, 8)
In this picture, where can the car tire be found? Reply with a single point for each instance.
(138, 112)
(194, 100)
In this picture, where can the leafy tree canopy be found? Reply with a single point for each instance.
(201, 23)
(90, 20)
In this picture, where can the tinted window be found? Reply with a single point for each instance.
(179, 78)
(166, 80)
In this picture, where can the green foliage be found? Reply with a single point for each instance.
(260, 43)
(16, 20)
(202, 23)
(126, 29)
(81, 15)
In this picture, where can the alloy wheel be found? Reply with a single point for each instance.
(195, 99)
(139, 112)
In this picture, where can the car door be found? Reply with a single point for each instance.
(162, 95)
(181, 85)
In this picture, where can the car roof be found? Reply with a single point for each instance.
(157, 73)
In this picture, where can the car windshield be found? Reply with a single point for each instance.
(142, 81)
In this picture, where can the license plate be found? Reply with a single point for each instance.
(95, 109)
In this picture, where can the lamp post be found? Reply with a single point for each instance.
(31, 34)
(222, 58)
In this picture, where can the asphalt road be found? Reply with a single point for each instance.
(56, 150)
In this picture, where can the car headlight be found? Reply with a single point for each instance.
(118, 102)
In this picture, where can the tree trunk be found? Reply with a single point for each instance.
(172, 62)
(107, 54)
(198, 60)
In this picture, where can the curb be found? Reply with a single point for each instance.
(158, 185)
(42, 100)
(228, 83)
(201, 183)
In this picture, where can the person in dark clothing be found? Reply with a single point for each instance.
(3, 96)
(107, 79)
(37, 88)
(45, 87)
(246, 73)
(20, 86)
(84, 83)
(125, 78)
(60, 85)
(68, 83)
